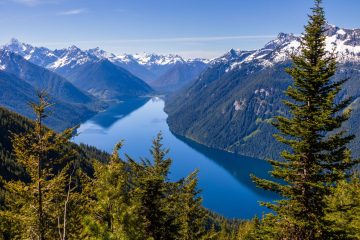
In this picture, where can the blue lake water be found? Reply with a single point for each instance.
(224, 177)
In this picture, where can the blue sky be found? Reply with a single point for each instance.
(192, 28)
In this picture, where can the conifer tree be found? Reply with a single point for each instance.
(114, 214)
(135, 200)
(36, 206)
(247, 230)
(343, 209)
(156, 195)
(318, 158)
(192, 214)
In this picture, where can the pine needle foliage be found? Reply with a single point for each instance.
(36, 209)
(136, 200)
(319, 157)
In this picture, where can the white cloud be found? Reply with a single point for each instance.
(73, 11)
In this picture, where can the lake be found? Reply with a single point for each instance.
(224, 177)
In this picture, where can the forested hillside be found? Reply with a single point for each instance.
(232, 104)
(12, 123)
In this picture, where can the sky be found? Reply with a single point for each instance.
(190, 28)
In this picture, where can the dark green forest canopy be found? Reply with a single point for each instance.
(13, 123)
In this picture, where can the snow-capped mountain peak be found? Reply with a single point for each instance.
(125, 58)
(346, 43)
(71, 57)
(74, 48)
(18, 47)
(282, 40)
(100, 53)
(231, 56)
(155, 59)
(38, 55)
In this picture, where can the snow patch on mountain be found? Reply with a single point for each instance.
(155, 59)
(73, 56)
(124, 58)
(101, 54)
(345, 42)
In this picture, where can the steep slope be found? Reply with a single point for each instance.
(15, 94)
(230, 106)
(165, 73)
(158, 64)
(12, 123)
(40, 56)
(126, 61)
(107, 81)
(170, 72)
(69, 59)
(178, 76)
(41, 78)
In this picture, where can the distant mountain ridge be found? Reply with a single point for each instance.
(345, 41)
(19, 81)
(108, 81)
(80, 81)
(230, 105)
(74, 65)
(15, 94)
(149, 67)
(43, 79)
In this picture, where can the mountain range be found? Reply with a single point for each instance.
(231, 104)
(162, 72)
(21, 79)
(227, 103)
(82, 82)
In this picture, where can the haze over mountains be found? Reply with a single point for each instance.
(231, 104)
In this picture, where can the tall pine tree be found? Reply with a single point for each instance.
(39, 207)
(114, 213)
(319, 157)
(135, 200)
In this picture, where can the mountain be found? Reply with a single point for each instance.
(162, 72)
(231, 104)
(126, 61)
(15, 94)
(41, 78)
(178, 76)
(20, 79)
(107, 81)
(89, 70)
(59, 60)
(38, 55)
(12, 123)
(69, 59)
(158, 64)
(170, 72)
